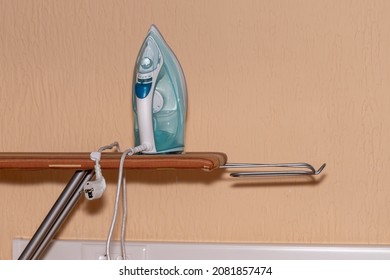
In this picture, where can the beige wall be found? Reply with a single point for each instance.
(269, 81)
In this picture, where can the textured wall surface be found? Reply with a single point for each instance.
(269, 81)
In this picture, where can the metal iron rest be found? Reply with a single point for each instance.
(310, 170)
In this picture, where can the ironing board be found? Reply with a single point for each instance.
(83, 166)
(81, 161)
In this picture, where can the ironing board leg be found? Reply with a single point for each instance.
(57, 215)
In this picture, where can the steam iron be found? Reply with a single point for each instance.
(159, 97)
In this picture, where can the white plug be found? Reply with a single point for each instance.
(95, 189)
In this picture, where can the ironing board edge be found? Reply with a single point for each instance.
(81, 161)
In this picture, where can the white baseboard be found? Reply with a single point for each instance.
(90, 250)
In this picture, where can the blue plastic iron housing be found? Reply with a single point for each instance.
(159, 97)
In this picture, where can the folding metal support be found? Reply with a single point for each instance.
(57, 215)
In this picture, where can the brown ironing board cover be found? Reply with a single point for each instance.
(82, 161)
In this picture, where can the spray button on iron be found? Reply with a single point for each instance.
(146, 63)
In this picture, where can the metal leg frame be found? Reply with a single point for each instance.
(57, 215)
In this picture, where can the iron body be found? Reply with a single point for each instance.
(159, 97)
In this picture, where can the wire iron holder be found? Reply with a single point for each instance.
(306, 169)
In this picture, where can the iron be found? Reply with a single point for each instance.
(159, 97)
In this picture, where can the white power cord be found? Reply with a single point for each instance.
(122, 185)
(95, 189)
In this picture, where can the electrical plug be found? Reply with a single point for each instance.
(95, 189)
